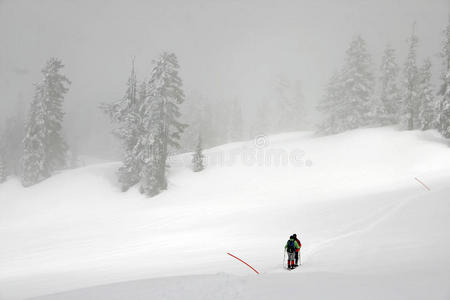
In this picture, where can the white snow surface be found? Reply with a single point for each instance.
(369, 229)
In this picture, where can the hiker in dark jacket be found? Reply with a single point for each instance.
(298, 250)
(291, 248)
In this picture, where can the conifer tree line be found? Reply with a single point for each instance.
(402, 94)
(150, 120)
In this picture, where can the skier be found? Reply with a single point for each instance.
(297, 251)
(291, 248)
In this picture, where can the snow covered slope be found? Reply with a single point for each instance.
(369, 229)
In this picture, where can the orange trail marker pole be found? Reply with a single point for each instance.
(418, 180)
(243, 262)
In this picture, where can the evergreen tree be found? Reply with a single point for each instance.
(34, 159)
(161, 121)
(148, 125)
(444, 107)
(444, 91)
(357, 80)
(390, 94)
(348, 102)
(427, 110)
(44, 147)
(262, 123)
(3, 171)
(125, 113)
(149, 148)
(290, 105)
(331, 107)
(197, 158)
(11, 143)
(150, 182)
(410, 98)
(281, 104)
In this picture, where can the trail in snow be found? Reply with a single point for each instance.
(364, 225)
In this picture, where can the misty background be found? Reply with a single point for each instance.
(228, 50)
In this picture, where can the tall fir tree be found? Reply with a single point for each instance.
(348, 102)
(161, 109)
(149, 148)
(34, 158)
(262, 123)
(444, 107)
(283, 98)
(44, 147)
(197, 157)
(290, 105)
(125, 113)
(3, 170)
(358, 82)
(443, 118)
(388, 112)
(428, 107)
(11, 143)
(331, 108)
(410, 95)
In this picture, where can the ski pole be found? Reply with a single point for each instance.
(284, 256)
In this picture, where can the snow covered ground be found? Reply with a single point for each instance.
(369, 229)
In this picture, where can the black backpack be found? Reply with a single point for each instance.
(290, 246)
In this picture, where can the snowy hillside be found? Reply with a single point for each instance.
(369, 229)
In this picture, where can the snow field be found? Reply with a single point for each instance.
(367, 227)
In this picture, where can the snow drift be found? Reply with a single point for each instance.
(368, 228)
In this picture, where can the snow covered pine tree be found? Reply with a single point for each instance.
(3, 172)
(290, 106)
(44, 147)
(410, 95)
(197, 158)
(428, 106)
(444, 105)
(125, 112)
(348, 102)
(160, 112)
(330, 107)
(390, 95)
(444, 91)
(11, 143)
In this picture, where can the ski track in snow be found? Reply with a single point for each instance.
(365, 225)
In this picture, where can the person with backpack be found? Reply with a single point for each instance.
(291, 248)
(297, 251)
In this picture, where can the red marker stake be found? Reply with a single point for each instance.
(243, 262)
(428, 189)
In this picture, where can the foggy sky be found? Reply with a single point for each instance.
(226, 49)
